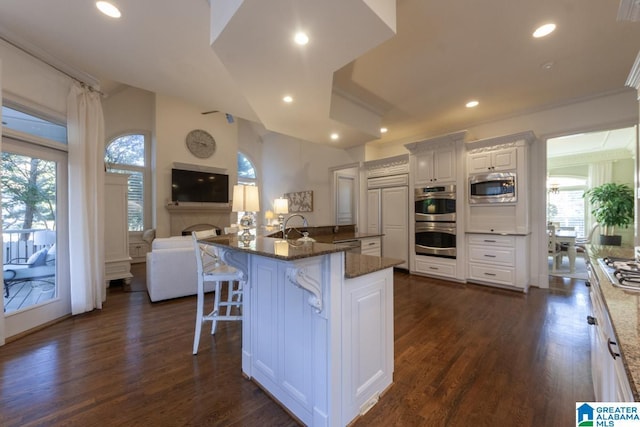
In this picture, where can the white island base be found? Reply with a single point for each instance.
(319, 343)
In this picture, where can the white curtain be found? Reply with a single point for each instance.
(85, 127)
(599, 173)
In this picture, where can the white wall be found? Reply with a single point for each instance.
(128, 110)
(290, 165)
(32, 83)
(174, 119)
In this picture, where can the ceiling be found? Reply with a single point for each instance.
(621, 141)
(408, 65)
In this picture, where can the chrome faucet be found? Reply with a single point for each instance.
(285, 234)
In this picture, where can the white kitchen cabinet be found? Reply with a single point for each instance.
(319, 343)
(492, 161)
(498, 260)
(371, 246)
(388, 214)
(367, 340)
(610, 382)
(438, 165)
(116, 228)
(436, 266)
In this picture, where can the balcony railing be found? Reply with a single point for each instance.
(21, 244)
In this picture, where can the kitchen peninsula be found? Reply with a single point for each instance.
(317, 329)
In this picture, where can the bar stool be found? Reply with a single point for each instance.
(211, 269)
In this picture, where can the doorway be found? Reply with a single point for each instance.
(581, 161)
(34, 211)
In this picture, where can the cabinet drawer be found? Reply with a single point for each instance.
(491, 240)
(440, 269)
(491, 274)
(492, 255)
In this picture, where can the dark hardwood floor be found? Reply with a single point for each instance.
(465, 355)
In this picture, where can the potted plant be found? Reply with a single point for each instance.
(612, 206)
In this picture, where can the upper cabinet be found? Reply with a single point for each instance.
(492, 161)
(436, 166)
(434, 160)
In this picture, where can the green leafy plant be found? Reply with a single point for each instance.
(612, 206)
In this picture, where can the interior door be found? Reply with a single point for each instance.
(44, 294)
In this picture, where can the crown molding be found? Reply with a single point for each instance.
(503, 141)
(402, 159)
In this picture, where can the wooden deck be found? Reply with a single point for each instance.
(464, 355)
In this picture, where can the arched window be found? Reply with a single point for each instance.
(246, 170)
(128, 154)
(246, 174)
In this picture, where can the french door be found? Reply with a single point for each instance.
(34, 235)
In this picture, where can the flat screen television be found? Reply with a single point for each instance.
(194, 186)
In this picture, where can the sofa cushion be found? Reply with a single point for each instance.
(172, 242)
(37, 258)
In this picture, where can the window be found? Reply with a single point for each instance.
(127, 154)
(246, 170)
(565, 202)
(246, 175)
(32, 125)
(33, 183)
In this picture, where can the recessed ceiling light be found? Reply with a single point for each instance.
(335, 136)
(301, 38)
(108, 9)
(472, 104)
(547, 65)
(288, 99)
(383, 130)
(544, 30)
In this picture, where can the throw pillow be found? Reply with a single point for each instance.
(37, 258)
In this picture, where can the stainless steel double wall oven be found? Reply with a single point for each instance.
(435, 220)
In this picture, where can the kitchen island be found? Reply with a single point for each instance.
(317, 329)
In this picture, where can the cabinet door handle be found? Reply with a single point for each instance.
(613, 353)
(489, 241)
(592, 320)
(489, 256)
(433, 268)
(490, 274)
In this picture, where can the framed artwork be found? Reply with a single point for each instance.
(301, 201)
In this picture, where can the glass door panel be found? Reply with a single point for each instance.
(33, 230)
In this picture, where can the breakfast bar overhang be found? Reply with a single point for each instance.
(317, 329)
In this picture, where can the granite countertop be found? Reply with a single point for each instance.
(326, 234)
(288, 250)
(624, 310)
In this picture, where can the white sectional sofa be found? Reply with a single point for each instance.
(171, 268)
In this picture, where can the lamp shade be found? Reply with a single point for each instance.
(245, 198)
(281, 206)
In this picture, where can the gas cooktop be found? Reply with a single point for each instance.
(622, 272)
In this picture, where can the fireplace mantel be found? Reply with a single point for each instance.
(183, 215)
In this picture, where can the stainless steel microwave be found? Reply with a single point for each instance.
(496, 187)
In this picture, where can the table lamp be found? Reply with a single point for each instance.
(246, 199)
(280, 208)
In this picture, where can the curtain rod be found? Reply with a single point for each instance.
(72, 77)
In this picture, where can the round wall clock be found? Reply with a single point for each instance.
(201, 143)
